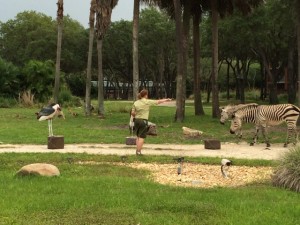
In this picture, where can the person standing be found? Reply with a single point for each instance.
(140, 112)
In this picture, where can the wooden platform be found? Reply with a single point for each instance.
(56, 142)
(130, 141)
(212, 144)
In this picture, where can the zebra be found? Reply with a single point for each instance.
(229, 111)
(268, 115)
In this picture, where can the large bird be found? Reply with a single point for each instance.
(48, 113)
(225, 164)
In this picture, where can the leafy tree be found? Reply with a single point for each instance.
(29, 36)
(157, 50)
(33, 35)
(38, 77)
(9, 83)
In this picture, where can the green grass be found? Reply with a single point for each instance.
(108, 194)
(19, 125)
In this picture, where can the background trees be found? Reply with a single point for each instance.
(256, 51)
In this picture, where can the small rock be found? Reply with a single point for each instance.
(42, 169)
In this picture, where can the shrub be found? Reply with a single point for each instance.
(287, 175)
(7, 102)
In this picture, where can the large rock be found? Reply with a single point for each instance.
(191, 132)
(42, 169)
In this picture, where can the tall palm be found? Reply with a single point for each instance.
(60, 16)
(89, 62)
(215, 47)
(103, 19)
(135, 49)
(179, 116)
(197, 12)
(297, 7)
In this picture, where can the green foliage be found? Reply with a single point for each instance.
(9, 84)
(39, 77)
(287, 175)
(66, 98)
(29, 36)
(7, 102)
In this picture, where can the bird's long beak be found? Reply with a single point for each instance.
(61, 114)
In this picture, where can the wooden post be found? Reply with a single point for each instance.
(56, 142)
(130, 141)
(212, 144)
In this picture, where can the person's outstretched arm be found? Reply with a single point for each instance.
(163, 100)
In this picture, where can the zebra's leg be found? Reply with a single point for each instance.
(255, 136)
(264, 133)
(292, 130)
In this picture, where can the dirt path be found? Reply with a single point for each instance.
(228, 150)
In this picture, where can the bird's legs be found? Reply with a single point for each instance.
(50, 127)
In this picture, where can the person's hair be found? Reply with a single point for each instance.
(142, 94)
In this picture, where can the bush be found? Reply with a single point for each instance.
(7, 102)
(287, 175)
(66, 98)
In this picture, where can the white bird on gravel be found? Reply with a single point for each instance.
(48, 113)
(225, 163)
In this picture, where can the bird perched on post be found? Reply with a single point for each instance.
(48, 113)
(225, 163)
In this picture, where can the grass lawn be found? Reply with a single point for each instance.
(108, 194)
(116, 195)
(19, 125)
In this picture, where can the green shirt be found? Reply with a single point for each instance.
(141, 108)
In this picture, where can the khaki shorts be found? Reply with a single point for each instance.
(141, 127)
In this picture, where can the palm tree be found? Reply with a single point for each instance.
(103, 19)
(179, 116)
(197, 12)
(89, 63)
(135, 50)
(297, 7)
(60, 16)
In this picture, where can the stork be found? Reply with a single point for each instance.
(225, 164)
(48, 113)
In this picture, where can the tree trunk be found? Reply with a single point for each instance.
(215, 47)
(196, 48)
(100, 79)
(271, 85)
(291, 83)
(161, 68)
(60, 14)
(298, 46)
(179, 116)
(89, 62)
(135, 50)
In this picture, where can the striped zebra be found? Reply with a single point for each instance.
(268, 115)
(228, 112)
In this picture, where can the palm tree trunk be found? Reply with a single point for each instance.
(215, 47)
(135, 51)
(100, 79)
(89, 63)
(60, 14)
(196, 47)
(179, 116)
(298, 45)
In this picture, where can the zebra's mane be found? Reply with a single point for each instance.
(234, 108)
